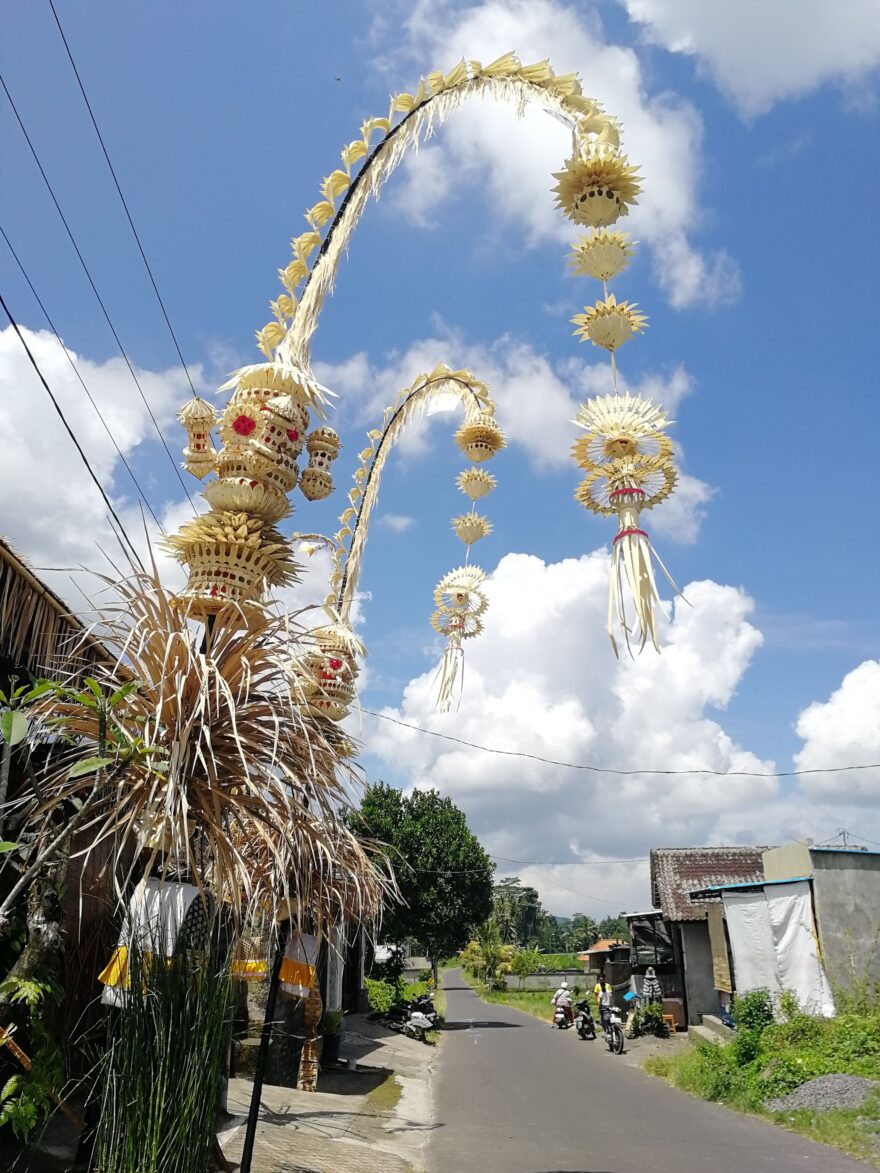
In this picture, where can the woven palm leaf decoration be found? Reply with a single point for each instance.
(459, 604)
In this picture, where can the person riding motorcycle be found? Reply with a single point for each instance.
(562, 998)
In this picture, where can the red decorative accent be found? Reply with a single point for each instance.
(253, 484)
(292, 435)
(625, 533)
(335, 664)
(244, 425)
(327, 676)
(214, 592)
(628, 492)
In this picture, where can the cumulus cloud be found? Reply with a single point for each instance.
(51, 509)
(530, 689)
(844, 731)
(537, 401)
(513, 158)
(398, 523)
(759, 53)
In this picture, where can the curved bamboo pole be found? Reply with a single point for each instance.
(409, 405)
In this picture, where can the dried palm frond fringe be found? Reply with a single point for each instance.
(247, 792)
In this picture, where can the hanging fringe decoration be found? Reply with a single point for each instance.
(459, 604)
(628, 462)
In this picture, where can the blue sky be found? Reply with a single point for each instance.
(757, 272)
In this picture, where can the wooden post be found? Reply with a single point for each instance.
(247, 1151)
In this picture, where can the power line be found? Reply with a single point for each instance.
(88, 274)
(568, 863)
(68, 429)
(515, 753)
(122, 198)
(76, 371)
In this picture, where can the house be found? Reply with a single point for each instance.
(604, 955)
(679, 937)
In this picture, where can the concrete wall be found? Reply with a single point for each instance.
(552, 981)
(846, 891)
(699, 978)
(785, 863)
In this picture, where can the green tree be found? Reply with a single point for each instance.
(444, 875)
(523, 963)
(491, 950)
(614, 927)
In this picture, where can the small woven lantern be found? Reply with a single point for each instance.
(602, 255)
(316, 481)
(479, 437)
(597, 188)
(470, 527)
(198, 417)
(230, 556)
(279, 437)
(609, 323)
(475, 483)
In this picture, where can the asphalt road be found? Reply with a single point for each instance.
(514, 1096)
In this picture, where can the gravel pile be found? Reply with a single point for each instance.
(826, 1093)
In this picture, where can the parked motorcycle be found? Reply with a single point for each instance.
(583, 1020)
(612, 1029)
(418, 1025)
(561, 1018)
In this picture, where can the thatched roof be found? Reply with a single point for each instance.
(39, 633)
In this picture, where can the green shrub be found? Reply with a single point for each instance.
(652, 1022)
(381, 995)
(753, 1011)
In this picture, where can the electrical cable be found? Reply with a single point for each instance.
(122, 198)
(515, 753)
(69, 430)
(88, 274)
(76, 371)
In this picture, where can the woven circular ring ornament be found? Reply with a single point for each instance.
(460, 588)
(602, 255)
(479, 437)
(642, 482)
(597, 188)
(461, 624)
(609, 323)
(475, 483)
(598, 450)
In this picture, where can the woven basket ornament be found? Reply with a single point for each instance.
(198, 417)
(326, 674)
(480, 437)
(316, 481)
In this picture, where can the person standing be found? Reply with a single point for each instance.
(604, 995)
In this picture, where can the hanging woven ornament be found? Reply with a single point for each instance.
(470, 527)
(597, 187)
(324, 675)
(323, 447)
(198, 417)
(479, 436)
(629, 468)
(459, 604)
(602, 255)
(609, 323)
(475, 483)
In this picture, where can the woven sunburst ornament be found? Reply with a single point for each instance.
(597, 188)
(609, 323)
(601, 255)
(480, 437)
(198, 417)
(629, 468)
(475, 483)
(470, 527)
(459, 603)
(231, 558)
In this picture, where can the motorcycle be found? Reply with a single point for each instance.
(418, 1024)
(583, 1021)
(612, 1029)
(561, 1018)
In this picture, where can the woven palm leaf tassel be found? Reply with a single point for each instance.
(459, 605)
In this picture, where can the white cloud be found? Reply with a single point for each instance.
(844, 731)
(536, 400)
(398, 523)
(513, 158)
(541, 680)
(759, 53)
(52, 511)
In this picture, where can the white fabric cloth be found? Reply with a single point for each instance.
(562, 997)
(774, 946)
(299, 964)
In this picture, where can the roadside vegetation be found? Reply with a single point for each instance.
(767, 1059)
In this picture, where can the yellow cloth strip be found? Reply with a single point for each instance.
(115, 973)
(250, 971)
(297, 973)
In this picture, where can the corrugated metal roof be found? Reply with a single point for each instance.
(678, 871)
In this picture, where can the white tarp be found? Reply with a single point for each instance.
(774, 945)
